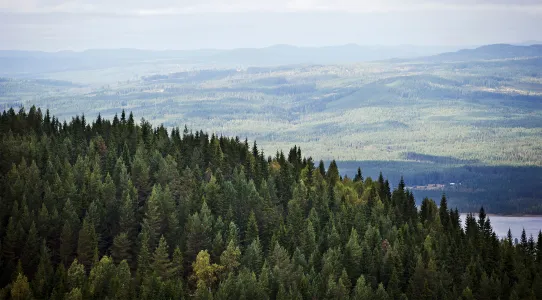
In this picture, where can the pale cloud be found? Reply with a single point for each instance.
(192, 24)
(172, 7)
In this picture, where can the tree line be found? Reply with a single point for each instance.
(114, 209)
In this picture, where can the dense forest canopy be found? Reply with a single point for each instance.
(124, 210)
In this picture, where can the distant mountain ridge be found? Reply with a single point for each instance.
(488, 52)
(32, 62)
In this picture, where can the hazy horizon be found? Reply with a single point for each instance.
(267, 47)
(56, 25)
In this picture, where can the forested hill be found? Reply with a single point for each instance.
(118, 210)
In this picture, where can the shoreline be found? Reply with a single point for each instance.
(506, 215)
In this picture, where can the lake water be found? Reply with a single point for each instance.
(501, 224)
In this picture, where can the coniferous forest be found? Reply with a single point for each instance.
(117, 209)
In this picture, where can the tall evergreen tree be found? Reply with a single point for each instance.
(161, 264)
(31, 250)
(42, 284)
(333, 173)
(230, 258)
(121, 250)
(67, 244)
(252, 232)
(87, 244)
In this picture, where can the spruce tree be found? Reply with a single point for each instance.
(230, 258)
(358, 177)
(161, 264)
(177, 263)
(20, 288)
(252, 232)
(121, 248)
(333, 173)
(253, 256)
(362, 290)
(121, 282)
(31, 250)
(76, 276)
(42, 283)
(67, 244)
(153, 217)
(144, 257)
(87, 244)
(353, 255)
(10, 243)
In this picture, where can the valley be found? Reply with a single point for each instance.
(447, 118)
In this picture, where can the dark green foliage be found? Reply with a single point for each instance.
(67, 244)
(121, 248)
(332, 173)
(161, 264)
(87, 244)
(252, 232)
(211, 218)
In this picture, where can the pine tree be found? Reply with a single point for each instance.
(358, 177)
(198, 232)
(144, 257)
(76, 276)
(233, 233)
(87, 244)
(20, 288)
(353, 255)
(218, 245)
(443, 212)
(154, 217)
(333, 173)
(394, 288)
(381, 293)
(333, 239)
(309, 245)
(42, 283)
(177, 263)
(75, 294)
(127, 220)
(30, 256)
(43, 221)
(230, 257)
(523, 244)
(59, 282)
(467, 294)
(140, 175)
(67, 244)
(539, 251)
(121, 248)
(253, 256)
(161, 264)
(252, 232)
(362, 290)
(322, 168)
(112, 206)
(99, 279)
(121, 282)
(10, 244)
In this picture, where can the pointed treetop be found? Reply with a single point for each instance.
(358, 177)
(402, 184)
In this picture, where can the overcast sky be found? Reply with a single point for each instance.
(53, 25)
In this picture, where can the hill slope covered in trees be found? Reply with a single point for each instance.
(119, 210)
